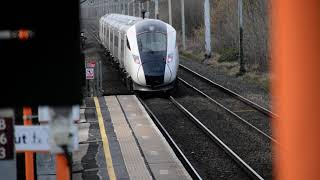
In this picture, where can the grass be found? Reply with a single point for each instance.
(191, 56)
(228, 63)
(228, 55)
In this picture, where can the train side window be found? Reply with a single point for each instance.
(122, 49)
(107, 32)
(128, 44)
(116, 42)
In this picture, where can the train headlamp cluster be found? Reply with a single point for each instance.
(169, 58)
(136, 59)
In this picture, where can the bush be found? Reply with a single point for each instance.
(229, 55)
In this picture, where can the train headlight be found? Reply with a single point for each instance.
(169, 58)
(136, 59)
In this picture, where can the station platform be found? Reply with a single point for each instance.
(118, 140)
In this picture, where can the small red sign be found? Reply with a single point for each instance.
(91, 64)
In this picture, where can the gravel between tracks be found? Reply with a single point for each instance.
(248, 90)
(245, 111)
(252, 147)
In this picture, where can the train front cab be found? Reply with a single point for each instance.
(156, 56)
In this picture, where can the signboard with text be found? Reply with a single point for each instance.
(6, 139)
(36, 138)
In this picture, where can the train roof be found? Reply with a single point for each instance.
(120, 21)
(123, 22)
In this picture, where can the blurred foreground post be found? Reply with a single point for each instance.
(63, 171)
(295, 54)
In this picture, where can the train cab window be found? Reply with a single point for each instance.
(128, 44)
(152, 42)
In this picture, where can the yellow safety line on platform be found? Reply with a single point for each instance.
(105, 142)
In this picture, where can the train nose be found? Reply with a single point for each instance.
(154, 73)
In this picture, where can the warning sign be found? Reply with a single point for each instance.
(89, 73)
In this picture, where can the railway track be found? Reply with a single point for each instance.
(207, 155)
(250, 113)
(246, 140)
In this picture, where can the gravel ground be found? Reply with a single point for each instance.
(251, 91)
(208, 159)
(248, 144)
(250, 114)
(111, 84)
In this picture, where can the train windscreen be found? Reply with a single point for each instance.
(152, 42)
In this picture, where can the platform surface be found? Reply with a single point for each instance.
(118, 140)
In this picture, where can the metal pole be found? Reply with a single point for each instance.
(142, 6)
(170, 12)
(103, 8)
(128, 9)
(101, 80)
(156, 9)
(123, 8)
(139, 9)
(134, 9)
(207, 28)
(240, 14)
(183, 26)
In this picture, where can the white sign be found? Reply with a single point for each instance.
(45, 113)
(89, 73)
(36, 138)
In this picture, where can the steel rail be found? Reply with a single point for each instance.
(230, 92)
(218, 141)
(93, 31)
(191, 170)
(230, 112)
